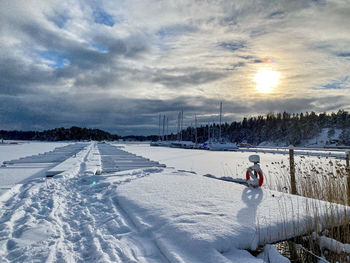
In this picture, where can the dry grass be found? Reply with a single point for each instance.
(315, 179)
(321, 180)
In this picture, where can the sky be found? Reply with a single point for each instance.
(116, 65)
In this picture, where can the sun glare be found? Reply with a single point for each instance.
(266, 80)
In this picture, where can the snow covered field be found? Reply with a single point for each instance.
(113, 206)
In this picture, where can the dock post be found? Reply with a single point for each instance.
(292, 170)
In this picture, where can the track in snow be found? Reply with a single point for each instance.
(70, 219)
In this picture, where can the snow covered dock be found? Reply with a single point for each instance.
(25, 168)
(115, 160)
(147, 214)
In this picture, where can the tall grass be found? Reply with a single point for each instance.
(314, 179)
(321, 180)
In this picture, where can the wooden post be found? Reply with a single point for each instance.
(348, 175)
(292, 170)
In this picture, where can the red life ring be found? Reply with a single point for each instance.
(261, 178)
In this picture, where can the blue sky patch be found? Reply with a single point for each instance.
(344, 54)
(56, 58)
(102, 17)
(339, 84)
(100, 47)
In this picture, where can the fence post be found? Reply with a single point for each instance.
(292, 170)
(347, 154)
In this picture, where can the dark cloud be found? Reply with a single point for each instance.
(135, 116)
(113, 114)
(276, 14)
(80, 54)
(19, 78)
(232, 46)
(58, 19)
(194, 78)
(175, 30)
(299, 104)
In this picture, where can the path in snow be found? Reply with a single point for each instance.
(71, 219)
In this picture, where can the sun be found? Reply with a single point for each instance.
(266, 80)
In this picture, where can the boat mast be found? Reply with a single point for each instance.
(159, 128)
(167, 128)
(178, 126)
(182, 123)
(163, 128)
(220, 120)
(208, 131)
(195, 131)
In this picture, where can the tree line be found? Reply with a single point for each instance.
(59, 134)
(287, 128)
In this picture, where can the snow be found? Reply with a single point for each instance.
(13, 175)
(16, 151)
(115, 160)
(331, 244)
(68, 163)
(25, 168)
(271, 255)
(322, 139)
(275, 167)
(89, 213)
(197, 218)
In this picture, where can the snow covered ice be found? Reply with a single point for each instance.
(138, 211)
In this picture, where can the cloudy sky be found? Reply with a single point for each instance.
(115, 65)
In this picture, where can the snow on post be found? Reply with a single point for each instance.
(292, 170)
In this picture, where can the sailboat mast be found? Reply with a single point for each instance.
(159, 128)
(208, 132)
(163, 127)
(178, 126)
(182, 123)
(167, 128)
(195, 132)
(191, 134)
(220, 121)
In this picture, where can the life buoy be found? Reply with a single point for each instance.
(261, 178)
